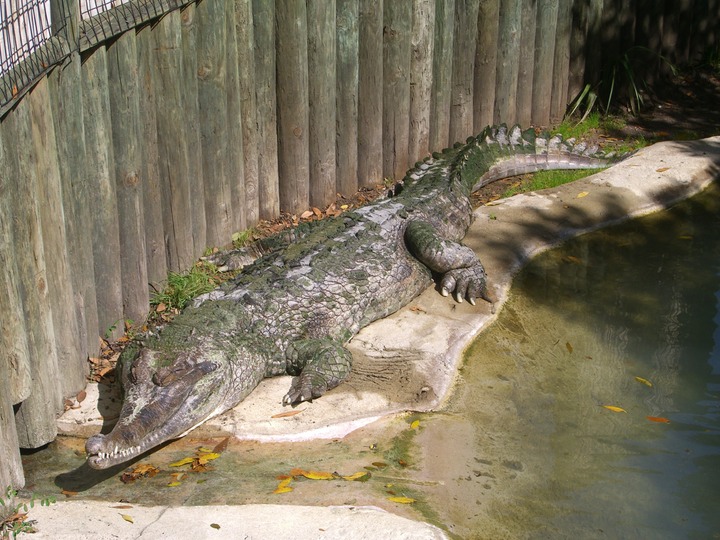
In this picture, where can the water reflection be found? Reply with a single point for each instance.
(639, 300)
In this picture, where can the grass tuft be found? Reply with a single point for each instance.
(182, 287)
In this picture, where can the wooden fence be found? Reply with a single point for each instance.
(135, 154)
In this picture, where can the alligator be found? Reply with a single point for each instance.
(293, 310)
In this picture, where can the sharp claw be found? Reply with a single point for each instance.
(459, 299)
(472, 301)
(444, 291)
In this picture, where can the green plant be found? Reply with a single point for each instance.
(14, 514)
(243, 238)
(182, 287)
(547, 179)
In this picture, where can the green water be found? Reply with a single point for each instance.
(523, 448)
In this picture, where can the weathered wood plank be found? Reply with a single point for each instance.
(70, 357)
(370, 92)
(508, 61)
(486, 64)
(561, 63)
(292, 99)
(35, 416)
(547, 11)
(266, 101)
(348, 72)
(212, 99)
(155, 254)
(463, 78)
(105, 226)
(68, 115)
(440, 99)
(14, 353)
(11, 470)
(248, 107)
(421, 74)
(526, 67)
(173, 145)
(190, 128)
(322, 101)
(578, 43)
(235, 152)
(396, 87)
(125, 116)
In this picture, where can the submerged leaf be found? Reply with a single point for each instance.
(183, 461)
(318, 475)
(613, 408)
(644, 381)
(415, 424)
(582, 194)
(361, 476)
(402, 500)
(659, 419)
(569, 347)
(174, 484)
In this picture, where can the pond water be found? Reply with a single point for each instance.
(524, 448)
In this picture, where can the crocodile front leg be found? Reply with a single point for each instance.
(461, 270)
(318, 365)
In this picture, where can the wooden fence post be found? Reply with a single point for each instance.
(421, 77)
(292, 102)
(266, 101)
(463, 80)
(544, 57)
(323, 101)
(347, 96)
(561, 63)
(526, 67)
(441, 95)
(396, 87)
(370, 93)
(486, 64)
(508, 61)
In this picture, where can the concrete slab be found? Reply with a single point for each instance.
(408, 361)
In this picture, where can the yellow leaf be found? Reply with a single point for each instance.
(379, 464)
(209, 456)
(184, 461)
(344, 206)
(401, 500)
(204, 450)
(582, 194)
(681, 237)
(415, 424)
(644, 381)
(318, 475)
(284, 486)
(662, 169)
(174, 484)
(613, 408)
(127, 518)
(359, 476)
(659, 419)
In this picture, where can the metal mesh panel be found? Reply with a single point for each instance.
(24, 26)
(90, 8)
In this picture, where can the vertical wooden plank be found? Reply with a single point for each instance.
(684, 16)
(561, 63)
(105, 226)
(125, 117)
(172, 144)
(463, 79)
(508, 61)
(266, 99)
(155, 254)
(578, 42)
(544, 56)
(396, 87)
(421, 75)
(593, 43)
(11, 470)
(370, 93)
(14, 353)
(440, 100)
(35, 416)
(292, 101)
(324, 99)
(347, 96)
(526, 67)
(212, 100)
(486, 64)
(70, 357)
(190, 129)
(234, 124)
(248, 107)
(68, 115)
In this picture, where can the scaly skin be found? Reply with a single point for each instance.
(293, 310)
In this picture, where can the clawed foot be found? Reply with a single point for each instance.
(304, 388)
(470, 283)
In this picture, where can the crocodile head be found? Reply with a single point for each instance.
(161, 403)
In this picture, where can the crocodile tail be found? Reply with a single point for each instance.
(498, 152)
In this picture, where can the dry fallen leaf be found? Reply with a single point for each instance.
(415, 424)
(286, 414)
(81, 396)
(222, 446)
(284, 486)
(662, 169)
(127, 518)
(174, 484)
(644, 381)
(215, 525)
(659, 419)
(582, 194)
(613, 408)
(318, 475)
(361, 476)
(69, 493)
(183, 461)
(402, 500)
(569, 347)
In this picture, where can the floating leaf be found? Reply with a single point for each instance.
(402, 500)
(361, 476)
(415, 424)
(613, 408)
(183, 461)
(582, 194)
(569, 347)
(287, 413)
(685, 237)
(379, 464)
(127, 518)
(644, 381)
(209, 456)
(318, 475)
(572, 259)
(174, 484)
(659, 419)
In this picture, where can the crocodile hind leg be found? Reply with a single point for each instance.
(318, 365)
(461, 270)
